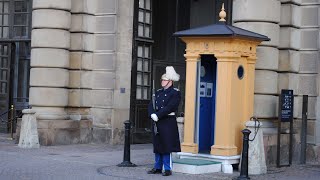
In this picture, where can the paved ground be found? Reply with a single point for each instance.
(92, 161)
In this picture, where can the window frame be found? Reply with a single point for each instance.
(12, 14)
(143, 89)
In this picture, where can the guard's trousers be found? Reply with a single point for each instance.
(163, 160)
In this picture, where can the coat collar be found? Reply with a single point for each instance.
(168, 89)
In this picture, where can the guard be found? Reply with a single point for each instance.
(162, 112)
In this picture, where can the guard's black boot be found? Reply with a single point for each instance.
(155, 171)
(166, 173)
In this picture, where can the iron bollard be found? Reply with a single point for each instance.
(126, 152)
(11, 121)
(304, 129)
(244, 157)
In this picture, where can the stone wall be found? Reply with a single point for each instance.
(298, 61)
(111, 69)
(104, 61)
(122, 89)
(288, 61)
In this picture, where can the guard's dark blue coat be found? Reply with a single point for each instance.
(167, 101)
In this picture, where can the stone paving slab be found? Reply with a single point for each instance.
(98, 161)
(295, 172)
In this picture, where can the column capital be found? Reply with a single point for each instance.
(192, 57)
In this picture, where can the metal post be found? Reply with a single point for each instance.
(244, 157)
(126, 153)
(291, 142)
(11, 122)
(304, 129)
(279, 131)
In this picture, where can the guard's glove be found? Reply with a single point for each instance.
(154, 117)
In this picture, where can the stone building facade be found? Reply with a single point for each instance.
(86, 54)
(289, 61)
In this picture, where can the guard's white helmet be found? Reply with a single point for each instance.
(170, 74)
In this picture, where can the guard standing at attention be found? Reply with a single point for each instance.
(165, 130)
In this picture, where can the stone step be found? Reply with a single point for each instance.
(195, 166)
(226, 161)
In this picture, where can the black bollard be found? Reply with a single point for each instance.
(244, 157)
(126, 153)
(304, 129)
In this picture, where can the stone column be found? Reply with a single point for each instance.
(80, 68)
(81, 55)
(189, 144)
(317, 124)
(49, 76)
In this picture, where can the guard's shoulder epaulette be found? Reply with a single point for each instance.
(176, 89)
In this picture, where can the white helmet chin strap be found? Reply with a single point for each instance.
(166, 86)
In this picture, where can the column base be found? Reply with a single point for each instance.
(62, 132)
(219, 150)
(189, 147)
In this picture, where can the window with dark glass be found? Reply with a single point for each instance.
(145, 18)
(4, 68)
(143, 50)
(15, 18)
(21, 23)
(143, 71)
(4, 19)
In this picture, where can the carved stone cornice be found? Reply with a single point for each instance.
(222, 47)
